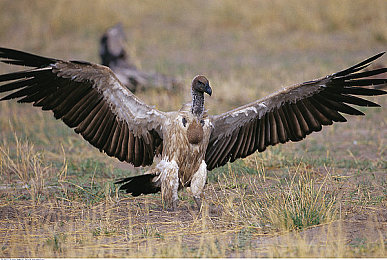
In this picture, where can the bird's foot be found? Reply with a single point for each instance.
(173, 206)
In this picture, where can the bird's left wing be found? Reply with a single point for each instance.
(89, 98)
(291, 113)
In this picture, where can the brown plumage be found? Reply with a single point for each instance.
(195, 132)
(113, 55)
(91, 99)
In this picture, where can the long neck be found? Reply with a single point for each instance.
(197, 103)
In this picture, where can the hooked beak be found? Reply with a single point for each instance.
(208, 89)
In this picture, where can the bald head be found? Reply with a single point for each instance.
(201, 84)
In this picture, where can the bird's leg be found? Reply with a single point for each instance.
(174, 205)
(198, 201)
(198, 182)
(169, 182)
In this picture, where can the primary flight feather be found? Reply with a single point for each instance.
(89, 98)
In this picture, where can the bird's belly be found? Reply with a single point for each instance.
(189, 162)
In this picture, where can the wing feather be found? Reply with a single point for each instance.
(282, 136)
(238, 143)
(124, 142)
(137, 151)
(69, 101)
(267, 129)
(323, 120)
(301, 120)
(245, 137)
(285, 120)
(131, 142)
(104, 135)
(314, 125)
(291, 113)
(90, 99)
(261, 140)
(120, 141)
(253, 137)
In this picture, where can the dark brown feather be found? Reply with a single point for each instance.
(131, 144)
(267, 130)
(286, 120)
(238, 143)
(301, 120)
(82, 109)
(120, 138)
(103, 114)
(339, 106)
(313, 124)
(254, 138)
(261, 142)
(70, 101)
(223, 148)
(317, 114)
(58, 96)
(21, 83)
(282, 136)
(273, 129)
(89, 118)
(226, 145)
(115, 135)
(349, 99)
(124, 142)
(138, 151)
(103, 137)
(293, 121)
(244, 138)
(96, 122)
(329, 113)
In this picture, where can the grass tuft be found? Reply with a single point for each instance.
(27, 164)
(301, 203)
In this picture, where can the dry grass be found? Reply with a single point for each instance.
(322, 197)
(27, 165)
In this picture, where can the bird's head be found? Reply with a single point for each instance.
(201, 84)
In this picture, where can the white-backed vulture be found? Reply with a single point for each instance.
(89, 98)
(113, 55)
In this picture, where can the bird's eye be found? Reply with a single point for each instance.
(184, 121)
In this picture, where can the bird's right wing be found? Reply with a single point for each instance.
(89, 98)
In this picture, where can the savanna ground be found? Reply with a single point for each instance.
(323, 197)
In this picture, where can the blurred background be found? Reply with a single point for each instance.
(254, 46)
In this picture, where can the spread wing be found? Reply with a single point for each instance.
(89, 98)
(291, 113)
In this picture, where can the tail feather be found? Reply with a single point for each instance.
(138, 185)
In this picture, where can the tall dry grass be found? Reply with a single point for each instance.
(28, 165)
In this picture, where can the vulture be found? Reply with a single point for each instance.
(189, 142)
(113, 55)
